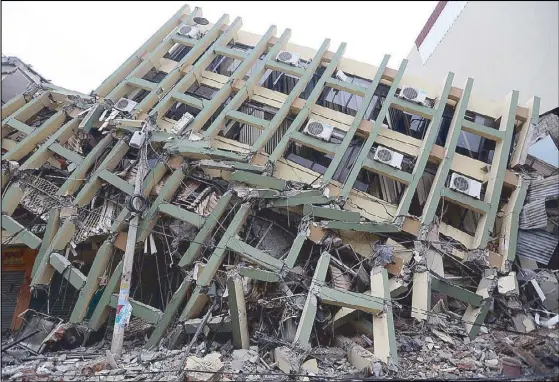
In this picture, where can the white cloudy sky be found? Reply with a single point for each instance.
(78, 44)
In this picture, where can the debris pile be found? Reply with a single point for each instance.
(177, 237)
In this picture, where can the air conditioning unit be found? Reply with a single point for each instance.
(465, 185)
(389, 157)
(189, 31)
(288, 58)
(124, 104)
(182, 123)
(341, 76)
(318, 130)
(413, 94)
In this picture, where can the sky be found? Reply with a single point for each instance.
(77, 45)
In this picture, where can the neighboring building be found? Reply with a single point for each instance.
(237, 128)
(502, 45)
(16, 76)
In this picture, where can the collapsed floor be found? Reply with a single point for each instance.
(248, 263)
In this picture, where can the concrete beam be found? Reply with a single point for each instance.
(103, 308)
(45, 270)
(254, 255)
(53, 224)
(237, 311)
(19, 232)
(259, 180)
(139, 309)
(421, 295)
(98, 268)
(64, 267)
(384, 336)
(182, 214)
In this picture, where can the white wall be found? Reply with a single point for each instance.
(503, 46)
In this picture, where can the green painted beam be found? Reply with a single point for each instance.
(295, 249)
(93, 185)
(458, 293)
(259, 180)
(209, 225)
(169, 314)
(196, 303)
(237, 312)
(182, 214)
(359, 116)
(363, 227)
(353, 300)
(244, 118)
(231, 166)
(139, 309)
(332, 214)
(66, 154)
(31, 108)
(202, 53)
(496, 176)
(228, 52)
(246, 91)
(190, 100)
(368, 145)
(77, 177)
(149, 219)
(306, 111)
(19, 126)
(315, 143)
(98, 268)
(387, 171)
(103, 308)
(306, 322)
(178, 39)
(258, 274)
(91, 117)
(285, 108)
(12, 106)
(19, 232)
(474, 317)
(414, 108)
(285, 68)
(427, 142)
(27, 144)
(70, 273)
(347, 87)
(43, 152)
(254, 255)
(299, 200)
(117, 181)
(53, 224)
(513, 220)
(483, 131)
(11, 199)
(432, 202)
(384, 335)
(194, 150)
(465, 201)
(59, 242)
(141, 83)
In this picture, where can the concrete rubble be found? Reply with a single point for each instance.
(244, 265)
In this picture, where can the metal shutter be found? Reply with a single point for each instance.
(11, 283)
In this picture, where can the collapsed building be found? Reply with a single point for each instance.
(274, 194)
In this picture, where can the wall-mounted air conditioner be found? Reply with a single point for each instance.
(288, 58)
(413, 94)
(189, 31)
(465, 185)
(318, 130)
(341, 76)
(124, 104)
(389, 157)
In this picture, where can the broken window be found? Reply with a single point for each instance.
(201, 91)
(223, 65)
(178, 109)
(154, 76)
(379, 186)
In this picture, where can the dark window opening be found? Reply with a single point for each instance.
(475, 147)
(406, 123)
(177, 52)
(379, 186)
(140, 95)
(40, 117)
(255, 67)
(308, 157)
(223, 65)
(458, 217)
(446, 120)
(343, 101)
(216, 114)
(312, 83)
(201, 91)
(178, 109)
(278, 81)
(154, 76)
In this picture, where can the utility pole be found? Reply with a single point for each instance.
(124, 309)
